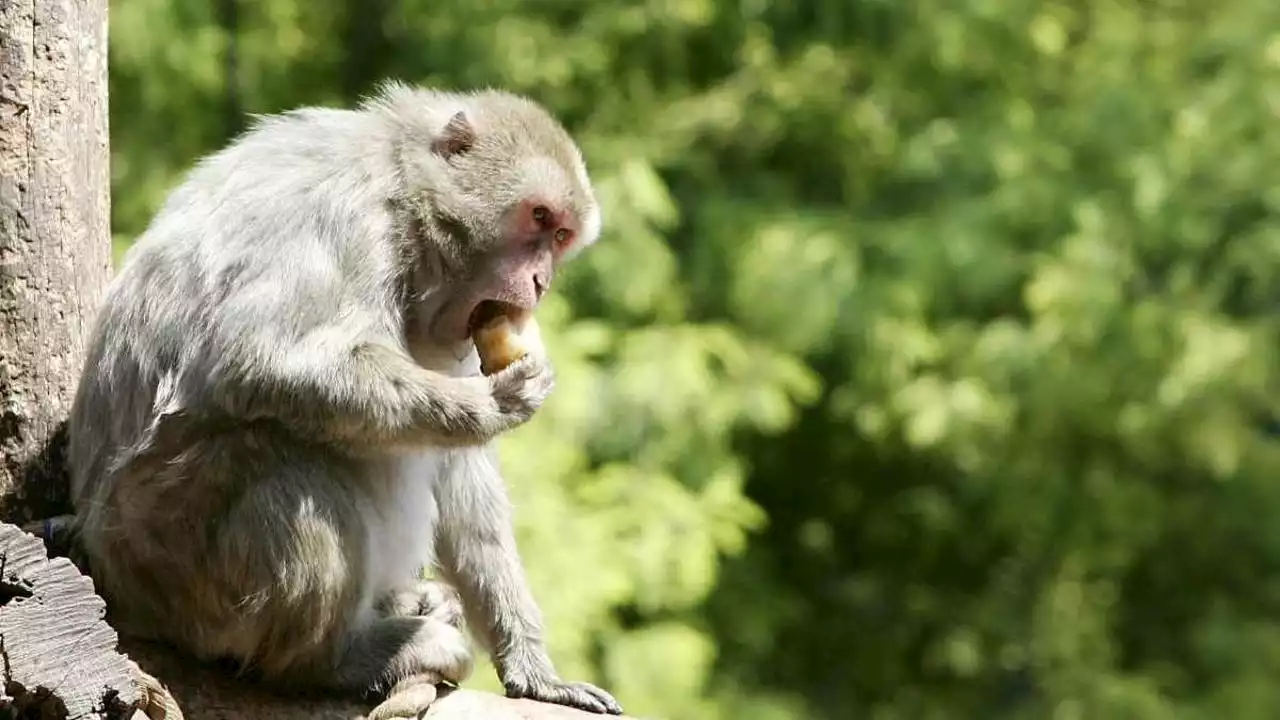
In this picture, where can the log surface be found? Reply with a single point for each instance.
(207, 693)
(58, 652)
(56, 649)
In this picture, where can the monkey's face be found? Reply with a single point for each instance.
(530, 208)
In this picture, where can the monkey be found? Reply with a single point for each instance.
(281, 421)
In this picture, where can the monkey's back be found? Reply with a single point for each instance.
(250, 257)
(237, 263)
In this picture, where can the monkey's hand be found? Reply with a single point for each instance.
(526, 672)
(520, 389)
(551, 689)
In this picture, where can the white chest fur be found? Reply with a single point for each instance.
(401, 535)
(404, 509)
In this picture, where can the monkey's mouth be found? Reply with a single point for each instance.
(489, 310)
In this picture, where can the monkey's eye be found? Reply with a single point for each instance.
(563, 236)
(541, 214)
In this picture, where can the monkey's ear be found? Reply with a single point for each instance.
(457, 137)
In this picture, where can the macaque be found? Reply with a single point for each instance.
(283, 420)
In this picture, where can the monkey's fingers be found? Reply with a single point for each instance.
(442, 603)
(521, 389)
(580, 695)
(611, 706)
(522, 370)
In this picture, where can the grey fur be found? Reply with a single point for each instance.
(281, 420)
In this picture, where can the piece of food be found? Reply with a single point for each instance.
(503, 336)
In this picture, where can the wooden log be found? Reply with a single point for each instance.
(58, 655)
(195, 691)
(206, 692)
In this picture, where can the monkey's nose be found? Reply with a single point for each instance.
(540, 284)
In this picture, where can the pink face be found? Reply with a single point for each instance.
(539, 232)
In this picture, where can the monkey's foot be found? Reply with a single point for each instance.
(580, 695)
(409, 699)
(426, 598)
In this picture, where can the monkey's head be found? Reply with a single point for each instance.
(504, 192)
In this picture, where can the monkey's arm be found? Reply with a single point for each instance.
(290, 348)
(478, 555)
(332, 377)
(368, 393)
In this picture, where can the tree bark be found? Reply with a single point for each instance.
(57, 654)
(55, 249)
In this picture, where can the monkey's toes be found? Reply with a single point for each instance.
(441, 601)
(425, 598)
(410, 702)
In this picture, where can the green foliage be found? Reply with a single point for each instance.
(919, 372)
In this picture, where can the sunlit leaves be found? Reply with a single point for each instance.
(632, 269)
(792, 279)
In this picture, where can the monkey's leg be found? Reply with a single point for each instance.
(478, 554)
(400, 657)
(254, 547)
(311, 575)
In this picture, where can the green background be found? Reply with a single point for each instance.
(924, 367)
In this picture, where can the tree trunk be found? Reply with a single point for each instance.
(55, 249)
(57, 653)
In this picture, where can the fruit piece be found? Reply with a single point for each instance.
(505, 339)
